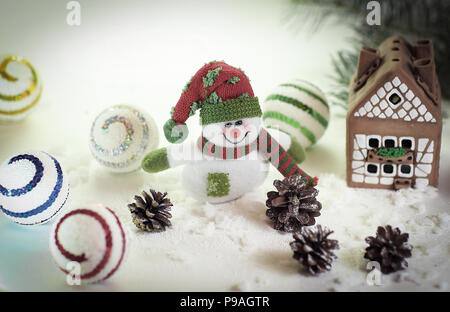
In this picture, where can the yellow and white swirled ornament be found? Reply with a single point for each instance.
(20, 88)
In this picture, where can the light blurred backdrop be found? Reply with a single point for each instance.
(143, 52)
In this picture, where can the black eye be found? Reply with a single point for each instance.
(238, 123)
(228, 124)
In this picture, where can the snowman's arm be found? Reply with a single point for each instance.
(168, 157)
(156, 161)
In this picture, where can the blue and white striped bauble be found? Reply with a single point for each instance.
(33, 187)
(298, 108)
(20, 88)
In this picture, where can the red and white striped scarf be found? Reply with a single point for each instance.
(266, 145)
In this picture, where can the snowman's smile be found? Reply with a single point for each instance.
(236, 142)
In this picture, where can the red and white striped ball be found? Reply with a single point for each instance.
(93, 238)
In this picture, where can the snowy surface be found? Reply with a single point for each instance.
(142, 53)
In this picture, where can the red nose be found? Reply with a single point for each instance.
(235, 133)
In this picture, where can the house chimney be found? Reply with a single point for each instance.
(426, 69)
(367, 57)
(424, 49)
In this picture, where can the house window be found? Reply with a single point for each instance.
(373, 141)
(407, 143)
(388, 170)
(405, 171)
(394, 98)
(372, 169)
(390, 141)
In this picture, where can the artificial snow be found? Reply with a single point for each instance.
(233, 247)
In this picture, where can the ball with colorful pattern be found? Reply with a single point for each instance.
(121, 136)
(88, 243)
(298, 108)
(33, 187)
(20, 88)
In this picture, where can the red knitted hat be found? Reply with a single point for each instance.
(221, 92)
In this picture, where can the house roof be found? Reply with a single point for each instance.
(395, 57)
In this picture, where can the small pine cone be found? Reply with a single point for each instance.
(313, 249)
(389, 248)
(294, 205)
(151, 213)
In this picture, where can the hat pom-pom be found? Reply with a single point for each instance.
(175, 132)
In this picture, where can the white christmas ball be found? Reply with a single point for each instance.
(33, 187)
(298, 108)
(121, 136)
(88, 243)
(20, 88)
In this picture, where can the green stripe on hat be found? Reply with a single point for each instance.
(301, 106)
(309, 92)
(235, 109)
(279, 116)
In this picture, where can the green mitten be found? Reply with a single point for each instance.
(296, 151)
(156, 161)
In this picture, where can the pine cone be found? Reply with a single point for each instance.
(151, 213)
(294, 205)
(389, 248)
(313, 249)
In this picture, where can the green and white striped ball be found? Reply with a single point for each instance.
(298, 108)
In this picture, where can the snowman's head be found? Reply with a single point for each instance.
(229, 110)
(233, 133)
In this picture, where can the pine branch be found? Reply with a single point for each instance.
(413, 19)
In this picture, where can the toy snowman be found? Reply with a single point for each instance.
(232, 155)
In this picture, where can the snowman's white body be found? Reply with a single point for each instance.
(244, 174)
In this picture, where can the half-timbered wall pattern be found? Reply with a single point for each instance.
(396, 101)
(364, 171)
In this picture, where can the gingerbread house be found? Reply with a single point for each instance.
(394, 121)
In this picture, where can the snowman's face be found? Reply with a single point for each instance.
(233, 133)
